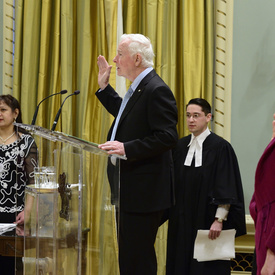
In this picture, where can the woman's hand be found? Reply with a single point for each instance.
(269, 265)
(20, 218)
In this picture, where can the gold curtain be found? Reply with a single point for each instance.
(198, 52)
(56, 46)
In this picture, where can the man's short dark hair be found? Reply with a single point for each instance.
(205, 106)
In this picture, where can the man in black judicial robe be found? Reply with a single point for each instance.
(203, 186)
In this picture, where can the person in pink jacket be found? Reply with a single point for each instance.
(262, 210)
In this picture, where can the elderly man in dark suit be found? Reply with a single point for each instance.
(144, 130)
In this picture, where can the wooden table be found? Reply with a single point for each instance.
(11, 244)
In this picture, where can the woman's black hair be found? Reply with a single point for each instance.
(13, 103)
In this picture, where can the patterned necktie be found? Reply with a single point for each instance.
(122, 106)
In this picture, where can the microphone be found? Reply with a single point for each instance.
(36, 110)
(59, 111)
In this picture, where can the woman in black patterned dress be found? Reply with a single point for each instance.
(18, 156)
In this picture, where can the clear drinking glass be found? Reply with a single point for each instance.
(38, 176)
(44, 177)
(49, 176)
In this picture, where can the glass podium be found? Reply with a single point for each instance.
(70, 226)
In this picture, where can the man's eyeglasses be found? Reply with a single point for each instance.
(194, 116)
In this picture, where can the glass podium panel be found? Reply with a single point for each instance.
(72, 203)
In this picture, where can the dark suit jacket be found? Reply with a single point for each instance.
(147, 128)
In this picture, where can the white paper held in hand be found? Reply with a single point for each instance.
(222, 248)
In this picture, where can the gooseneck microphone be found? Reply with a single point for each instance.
(59, 111)
(36, 110)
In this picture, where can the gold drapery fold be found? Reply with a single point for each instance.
(56, 47)
(198, 51)
(26, 55)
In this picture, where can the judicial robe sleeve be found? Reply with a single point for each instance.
(227, 187)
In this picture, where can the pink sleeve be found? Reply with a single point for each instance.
(270, 242)
(253, 209)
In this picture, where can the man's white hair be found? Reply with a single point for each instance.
(142, 45)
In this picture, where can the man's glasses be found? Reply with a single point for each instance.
(195, 116)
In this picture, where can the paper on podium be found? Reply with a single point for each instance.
(222, 248)
(5, 227)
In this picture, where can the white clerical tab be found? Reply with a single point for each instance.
(195, 149)
(191, 151)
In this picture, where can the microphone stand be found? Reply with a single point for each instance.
(37, 107)
(59, 111)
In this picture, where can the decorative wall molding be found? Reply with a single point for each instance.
(223, 67)
(8, 45)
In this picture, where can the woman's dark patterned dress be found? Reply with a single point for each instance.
(17, 161)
